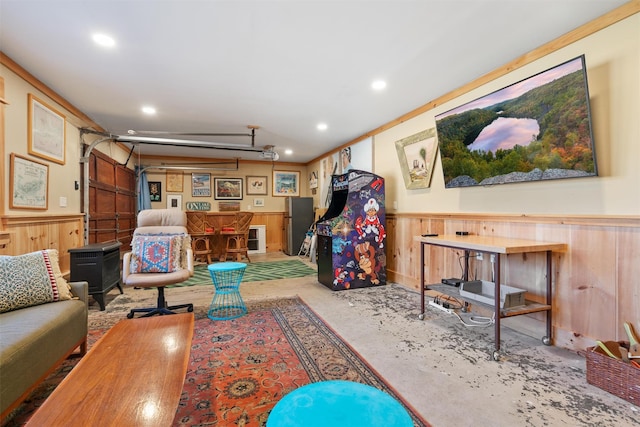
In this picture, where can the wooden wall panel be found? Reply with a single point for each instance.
(124, 179)
(274, 227)
(105, 171)
(112, 201)
(628, 258)
(34, 233)
(123, 203)
(104, 203)
(596, 281)
(593, 280)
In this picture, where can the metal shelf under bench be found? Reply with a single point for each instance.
(496, 246)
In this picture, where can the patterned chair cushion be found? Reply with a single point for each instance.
(31, 279)
(157, 253)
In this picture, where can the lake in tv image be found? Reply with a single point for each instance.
(535, 129)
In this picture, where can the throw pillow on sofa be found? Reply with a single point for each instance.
(31, 279)
(157, 253)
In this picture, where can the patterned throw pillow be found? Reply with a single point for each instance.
(64, 290)
(156, 253)
(31, 279)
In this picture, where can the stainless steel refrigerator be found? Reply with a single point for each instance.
(298, 219)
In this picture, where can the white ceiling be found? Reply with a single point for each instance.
(219, 66)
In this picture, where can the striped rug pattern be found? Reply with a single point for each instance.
(255, 272)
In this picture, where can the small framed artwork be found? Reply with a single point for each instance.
(228, 188)
(174, 201)
(258, 202)
(46, 131)
(416, 154)
(313, 180)
(175, 181)
(286, 183)
(201, 185)
(28, 183)
(155, 192)
(257, 185)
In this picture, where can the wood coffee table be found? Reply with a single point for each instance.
(133, 376)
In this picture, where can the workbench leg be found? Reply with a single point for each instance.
(547, 340)
(496, 302)
(421, 315)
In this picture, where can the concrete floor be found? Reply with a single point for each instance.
(443, 368)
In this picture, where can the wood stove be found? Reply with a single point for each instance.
(98, 264)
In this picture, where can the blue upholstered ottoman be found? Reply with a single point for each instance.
(338, 404)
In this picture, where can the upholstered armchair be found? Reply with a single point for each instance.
(160, 255)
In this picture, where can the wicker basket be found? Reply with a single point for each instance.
(613, 375)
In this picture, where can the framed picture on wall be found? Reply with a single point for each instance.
(46, 131)
(175, 181)
(228, 188)
(28, 183)
(174, 201)
(286, 183)
(257, 185)
(201, 185)
(416, 154)
(155, 191)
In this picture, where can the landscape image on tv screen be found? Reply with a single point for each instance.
(535, 129)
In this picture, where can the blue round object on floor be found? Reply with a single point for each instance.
(226, 266)
(338, 404)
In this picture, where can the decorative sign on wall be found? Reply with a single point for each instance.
(198, 206)
(229, 206)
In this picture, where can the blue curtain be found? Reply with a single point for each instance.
(144, 198)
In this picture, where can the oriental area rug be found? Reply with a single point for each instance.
(239, 369)
(255, 272)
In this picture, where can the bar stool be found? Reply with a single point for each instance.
(201, 233)
(227, 302)
(236, 237)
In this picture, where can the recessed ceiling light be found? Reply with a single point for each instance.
(322, 126)
(378, 85)
(288, 151)
(104, 40)
(149, 110)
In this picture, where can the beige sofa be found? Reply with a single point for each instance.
(36, 339)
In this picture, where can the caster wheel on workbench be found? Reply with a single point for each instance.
(546, 340)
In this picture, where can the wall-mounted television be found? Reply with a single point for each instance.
(536, 129)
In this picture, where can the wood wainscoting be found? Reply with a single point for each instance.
(596, 282)
(274, 228)
(38, 232)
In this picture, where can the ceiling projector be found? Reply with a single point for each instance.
(270, 155)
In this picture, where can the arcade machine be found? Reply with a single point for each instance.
(351, 236)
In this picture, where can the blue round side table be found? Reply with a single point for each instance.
(227, 302)
(338, 404)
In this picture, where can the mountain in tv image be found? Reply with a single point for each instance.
(536, 129)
